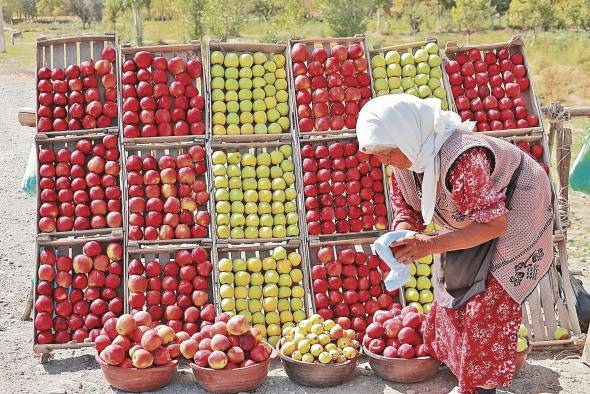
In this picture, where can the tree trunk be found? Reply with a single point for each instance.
(137, 24)
(2, 42)
(438, 18)
(378, 21)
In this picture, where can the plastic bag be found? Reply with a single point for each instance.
(580, 172)
(29, 182)
(399, 274)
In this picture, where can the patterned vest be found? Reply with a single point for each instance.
(525, 251)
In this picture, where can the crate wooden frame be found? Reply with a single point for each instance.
(262, 250)
(174, 146)
(69, 141)
(250, 48)
(70, 247)
(192, 50)
(360, 244)
(342, 137)
(326, 43)
(411, 48)
(164, 252)
(63, 51)
(514, 45)
(248, 147)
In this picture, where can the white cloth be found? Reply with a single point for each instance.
(418, 127)
(399, 274)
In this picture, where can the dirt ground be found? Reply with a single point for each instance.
(77, 372)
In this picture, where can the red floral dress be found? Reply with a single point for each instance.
(477, 342)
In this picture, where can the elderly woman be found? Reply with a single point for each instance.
(495, 206)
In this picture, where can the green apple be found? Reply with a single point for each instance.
(411, 282)
(381, 84)
(220, 182)
(251, 232)
(217, 95)
(224, 265)
(226, 291)
(283, 109)
(263, 159)
(436, 72)
(296, 304)
(433, 83)
(279, 219)
(264, 208)
(421, 79)
(257, 279)
(270, 66)
(223, 231)
(265, 232)
(523, 331)
(271, 276)
(258, 94)
(407, 83)
(231, 60)
(240, 291)
(425, 296)
(392, 57)
(233, 129)
(241, 304)
(232, 118)
(411, 295)
(264, 196)
(237, 206)
(266, 220)
(248, 172)
(281, 84)
(444, 105)
(237, 219)
(245, 72)
(219, 118)
(276, 157)
(272, 115)
(234, 157)
(257, 318)
(281, 73)
(287, 165)
(245, 83)
(420, 55)
(233, 170)
(394, 82)
(260, 117)
(269, 78)
(412, 269)
(279, 231)
(231, 73)
(423, 68)
(219, 170)
(297, 291)
(290, 194)
(269, 263)
(254, 306)
(231, 95)
(217, 57)
(218, 106)
(262, 171)
(413, 91)
(226, 277)
(284, 292)
(260, 58)
(434, 60)
(379, 73)
(264, 184)
(279, 59)
(298, 316)
(246, 60)
(521, 344)
(218, 83)
(382, 93)
(248, 159)
(222, 219)
(292, 218)
(222, 195)
(242, 278)
(423, 283)
(394, 70)
(279, 184)
(426, 308)
(276, 172)
(282, 96)
(424, 91)
(219, 130)
(409, 70)
(232, 84)
(246, 117)
(278, 196)
(296, 275)
(258, 71)
(406, 58)
(247, 128)
(277, 207)
(292, 230)
(274, 128)
(254, 291)
(249, 183)
(378, 61)
(431, 47)
(440, 93)
(228, 304)
(270, 91)
(258, 82)
(250, 196)
(236, 233)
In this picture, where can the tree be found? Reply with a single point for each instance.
(346, 17)
(136, 6)
(532, 14)
(469, 14)
(381, 6)
(225, 18)
(415, 12)
(29, 9)
(277, 16)
(578, 11)
(86, 10)
(501, 6)
(51, 7)
(2, 41)
(193, 11)
(114, 9)
(444, 6)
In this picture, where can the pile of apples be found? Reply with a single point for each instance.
(488, 89)
(168, 196)
(71, 99)
(77, 294)
(316, 340)
(79, 188)
(229, 343)
(136, 342)
(418, 73)
(255, 195)
(160, 97)
(349, 284)
(535, 150)
(343, 189)
(267, 291)
(332, 86)
(418, 290)
(174, 293)
(396, 334)
(249, 93)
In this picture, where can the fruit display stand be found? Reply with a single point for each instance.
(59, 276)
(393, 76)
(262, 99)
(328, 290)
(195, 197)
(364, 192)
(275, 287)
(55, 55)
(53, 222)
(262, 160)
(173, 92)
(347, 65)
(505, 68)
(172, 282)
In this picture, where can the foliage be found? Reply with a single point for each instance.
(225, 18)
(163, 10)
(578, 11)
(193, 12)
(414, 12)
(86, 10)
(277, 16)
(446, 4)
(532, 14)
(346, 17)
(501, 6)
(114, 8)
(469, 14)
(51, 7)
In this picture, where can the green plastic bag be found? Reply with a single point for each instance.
(580, 172)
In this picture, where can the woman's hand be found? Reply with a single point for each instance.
(409, 249)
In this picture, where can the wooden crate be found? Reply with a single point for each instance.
(359, 244)
(194, 50)
(67, 247)
(164, 253)
(249, 48)
(69, 142)
(64, 51)
(343, 138)
(325, 43)
(515, 45)
(254, 148)
(263, 250)
(411, 48)
(173, 146)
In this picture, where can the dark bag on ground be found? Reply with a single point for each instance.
(582, 300)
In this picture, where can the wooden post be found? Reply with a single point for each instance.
(2, 40)
(563, 160)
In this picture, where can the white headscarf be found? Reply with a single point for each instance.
(417, 127)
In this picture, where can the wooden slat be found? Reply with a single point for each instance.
(66, 40)
(562, 312)
(536, 316)
(548, 304)
(577, 111)
(513, 132)
(452, 46)
(567, 288)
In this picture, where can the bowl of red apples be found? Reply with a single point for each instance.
(393, 343)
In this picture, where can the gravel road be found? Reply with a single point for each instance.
(77, 372)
